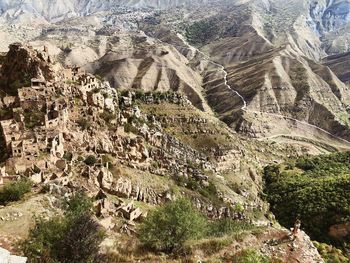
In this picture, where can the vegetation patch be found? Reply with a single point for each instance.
(201, 32)
(33, 118)
(178, 226)
(129, 128)
(331, 254)
(316, 190)
(73, 237)
(15, 191)
(252, 256)
(90, 160)
(169, 227)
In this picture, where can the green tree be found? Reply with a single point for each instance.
(169, 227)
(81, 241)
(14, 191)
(78, 204)
(74, 237)
(317, 191)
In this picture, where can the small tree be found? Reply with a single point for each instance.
(74, 237)
(81, 242)
(14, 191)
(168, 227)
(79, 204)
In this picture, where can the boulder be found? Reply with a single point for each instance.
(36, 178)
(107, 223)
(105, 178)
(61, 164)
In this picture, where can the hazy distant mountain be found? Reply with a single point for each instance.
(55, 10)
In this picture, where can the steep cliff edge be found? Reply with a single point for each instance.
(21, 64)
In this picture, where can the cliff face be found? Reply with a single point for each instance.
(21, 64)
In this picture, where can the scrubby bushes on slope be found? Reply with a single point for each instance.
(314, 189)
(169, 227)
(74, 237)
(14, 191)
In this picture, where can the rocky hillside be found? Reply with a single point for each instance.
(235, 35)
(148, 101)
(339, 64)
(21, 64)
(130, 151)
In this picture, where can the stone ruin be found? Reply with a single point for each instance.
(6, 257)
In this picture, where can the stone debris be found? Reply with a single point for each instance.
(106, 209)
(11, 216)
(6, 257)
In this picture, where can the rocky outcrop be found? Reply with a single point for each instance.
(21, 64)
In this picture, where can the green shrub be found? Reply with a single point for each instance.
(33, 118)
(305, 164)
(331, 254)
(14, 191)
(90, 160)
(210, 192)
(79, 203)
(250, 256)
(68, 156)
(81, 240)
(169, 227)
(74, 237)
(108, 116)
(5, 113)
(222, 227)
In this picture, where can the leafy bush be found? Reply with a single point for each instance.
(316, 189)
(81, 240)
(90, 160)
(108, 116)
(331, 254)
(227, 226)
(305, 164)
(168, 227)
(74, 237)
(250, 256)
(68, 156)
(79, 203)
(14, 191)
(5, 113)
